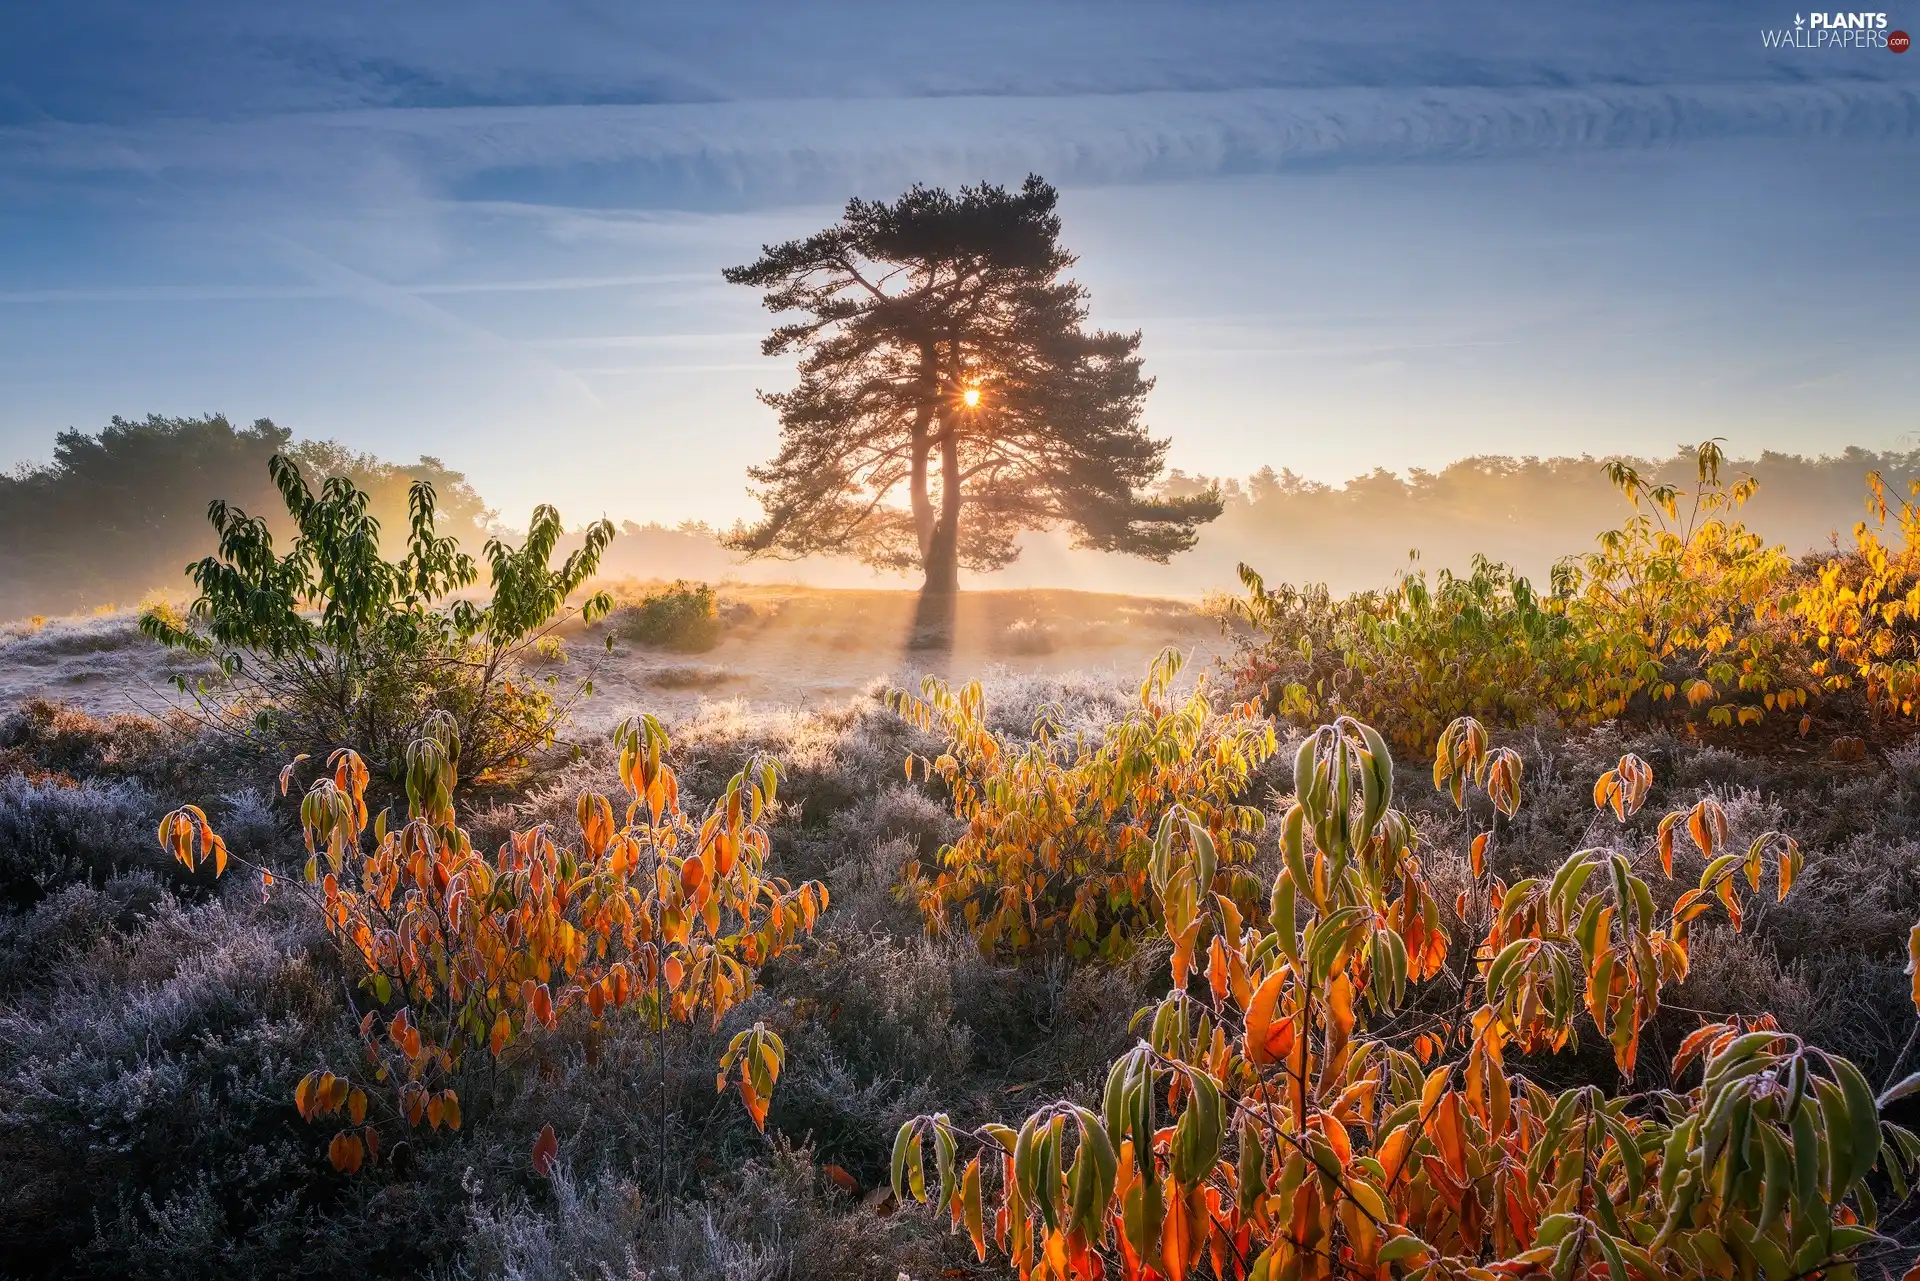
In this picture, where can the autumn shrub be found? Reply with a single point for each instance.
(1818, 960)
(330, 644)
(1295, 1108)
(683, 617)
(42, 941)
(1861, 611)
(458, 957)
(1680, 615)
(1059, 836)
(1412, 657)
(148, 1056)
(1682, 602)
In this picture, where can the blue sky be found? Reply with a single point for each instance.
(1355, 235)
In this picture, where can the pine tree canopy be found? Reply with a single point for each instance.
(951, 395)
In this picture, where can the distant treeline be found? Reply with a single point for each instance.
(121, 513)
(1527, 512)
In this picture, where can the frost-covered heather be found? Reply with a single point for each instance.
(55, 834)
(152, 1027)
(97, 662)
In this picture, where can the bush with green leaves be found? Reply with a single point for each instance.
(1682, 616)
(330, 644)
(683, 616)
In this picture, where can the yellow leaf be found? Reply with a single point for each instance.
(970, 1208)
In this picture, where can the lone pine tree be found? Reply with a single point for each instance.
(943, 353)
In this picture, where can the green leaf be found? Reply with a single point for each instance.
(1403, 1248)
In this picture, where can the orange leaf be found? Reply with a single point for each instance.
(1218, 976)
(1268, 1038)
(1913, 963)
(346, 1152)
(1177, 1244)
(1393, 1154)
(1700, 831)
(1449, 1134)
(756, 1106)
(546, 1152)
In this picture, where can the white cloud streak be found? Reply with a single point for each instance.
(276, 293)
(382, 296)
(769, 152)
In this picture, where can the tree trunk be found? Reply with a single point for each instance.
(942, 560)
(939, 594)
(923, 519)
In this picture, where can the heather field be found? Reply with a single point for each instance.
(158, 1018)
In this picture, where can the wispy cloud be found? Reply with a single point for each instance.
(735, 339)
(757, 152)
(248, 293)
(382, 296)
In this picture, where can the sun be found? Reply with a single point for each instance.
(972, 397)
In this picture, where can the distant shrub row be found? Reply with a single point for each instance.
(1681, 616)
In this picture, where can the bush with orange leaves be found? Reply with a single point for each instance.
(1292, 1115)
(1059, 830)
(1861, 613)
(457, 955)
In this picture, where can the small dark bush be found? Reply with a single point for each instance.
(684, 617)
(171, 756)
(52, 737)
(53, 835)
(36, 945)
